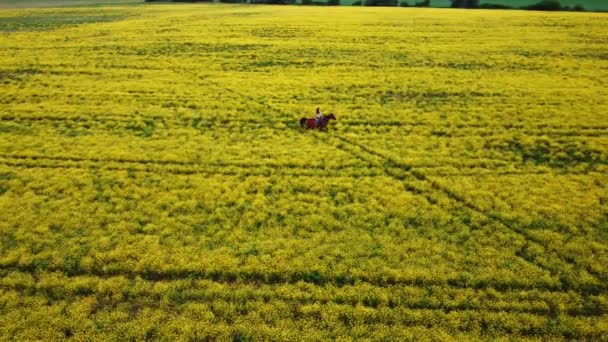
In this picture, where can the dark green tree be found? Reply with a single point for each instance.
(387, 3)
(465, 3)
(545, 5)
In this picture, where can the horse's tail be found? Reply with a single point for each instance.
(302, 122)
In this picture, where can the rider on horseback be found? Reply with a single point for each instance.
(318, 117)
(318, 122)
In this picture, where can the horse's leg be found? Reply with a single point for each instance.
(323, 125)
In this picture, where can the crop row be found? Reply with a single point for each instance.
(58, 286)
(106, 121)
(119, 305)
(212, 218)
(227, 100)
(198, 142)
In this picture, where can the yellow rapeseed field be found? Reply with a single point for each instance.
(155, 183)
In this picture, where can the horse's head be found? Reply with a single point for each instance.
(331, 116)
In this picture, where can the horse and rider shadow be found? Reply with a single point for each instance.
(320, 122)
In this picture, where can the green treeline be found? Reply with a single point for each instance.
(542, 5)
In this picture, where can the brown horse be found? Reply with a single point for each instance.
(311, 123)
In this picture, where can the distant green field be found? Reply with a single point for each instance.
(63, 3)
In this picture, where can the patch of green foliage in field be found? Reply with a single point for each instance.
(54, 19)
